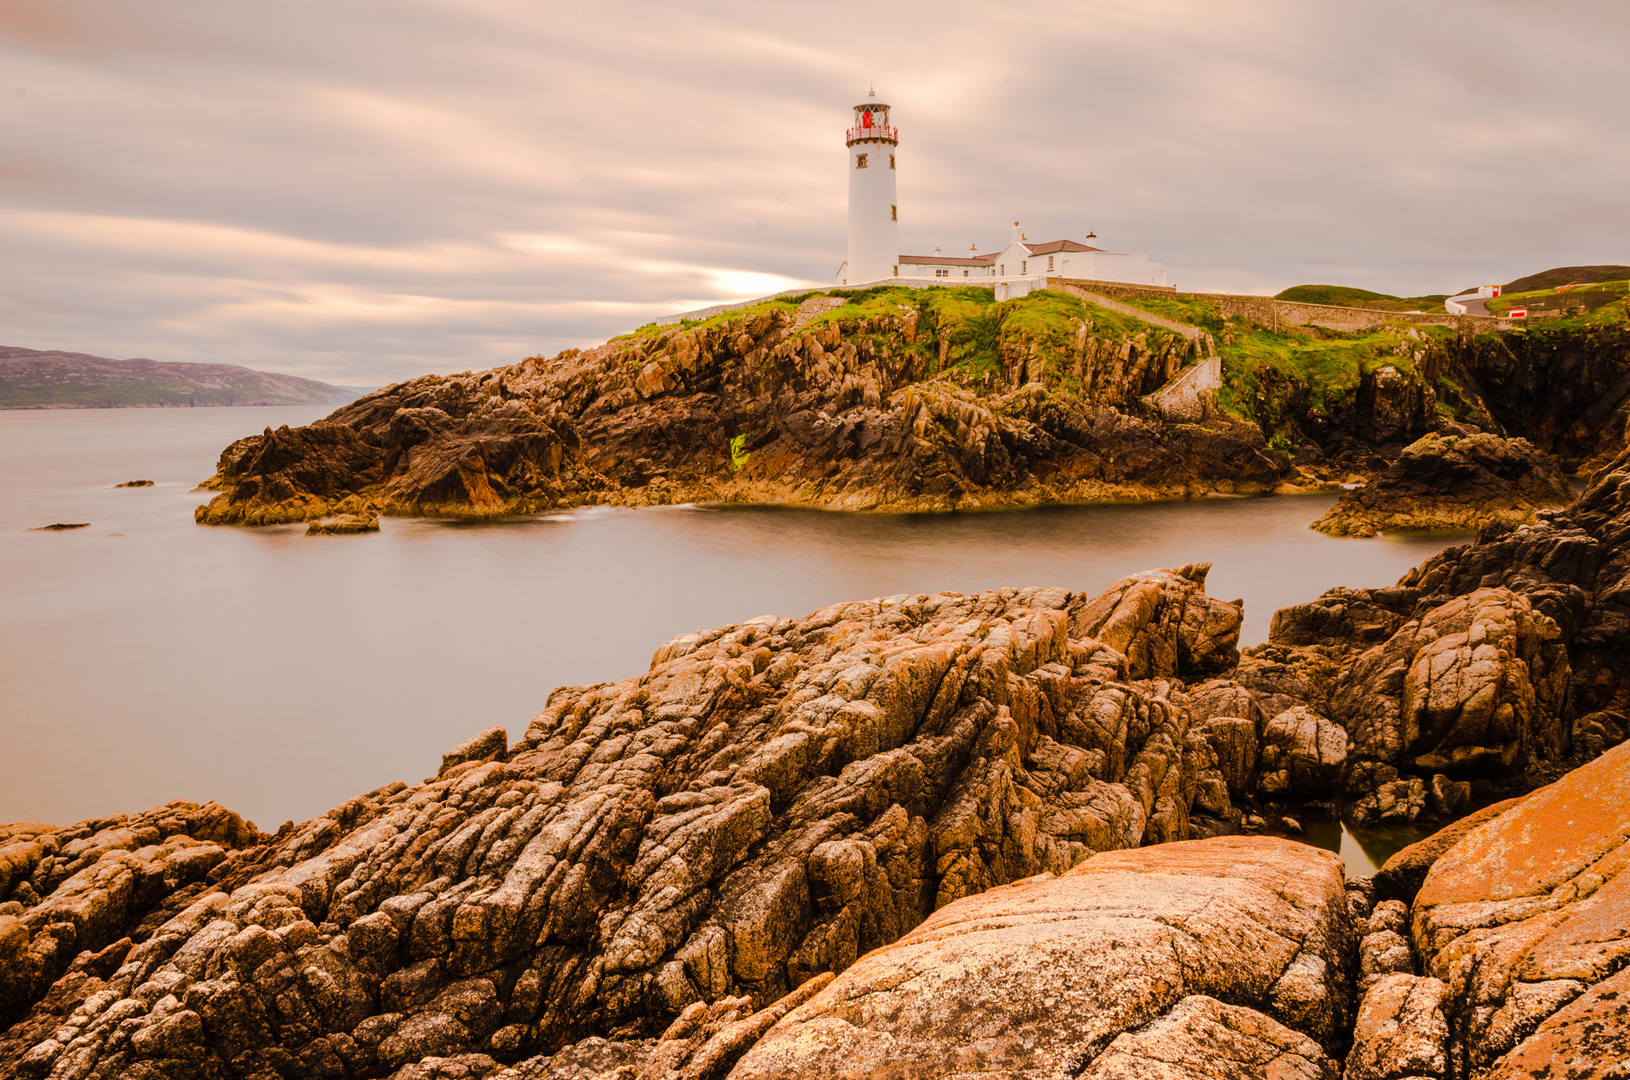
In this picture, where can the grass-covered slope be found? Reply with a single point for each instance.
(1346, 296)
(1562, 275)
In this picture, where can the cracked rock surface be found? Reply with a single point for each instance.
(1117, 965)
(1527, 923)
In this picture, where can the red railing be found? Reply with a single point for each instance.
(876, 131)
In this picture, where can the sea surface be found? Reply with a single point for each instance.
(146, 658)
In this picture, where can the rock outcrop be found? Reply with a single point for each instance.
(1485, 672)
(1454, 483)
(1023, 798)
(1212, 958)
(1525, 923)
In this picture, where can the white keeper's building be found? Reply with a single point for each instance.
(874, 216)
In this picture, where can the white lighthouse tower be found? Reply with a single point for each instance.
(874, 246)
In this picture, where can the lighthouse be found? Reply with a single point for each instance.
(874, 246)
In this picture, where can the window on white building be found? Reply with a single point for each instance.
(860, 161)
(894, 214)
(942, 273)
(891, 161)
(1002, 269)
(964, 273)
(1049, 262)
(1024, 266)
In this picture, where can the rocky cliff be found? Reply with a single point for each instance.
(889, 399)
(899, 399)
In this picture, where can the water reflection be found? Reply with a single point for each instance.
(146, 658)
(1363, 850)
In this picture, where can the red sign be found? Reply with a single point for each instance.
(1517, 313)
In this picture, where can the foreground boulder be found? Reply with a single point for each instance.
(1456, 483)
(1213, 958)
(1526, 922)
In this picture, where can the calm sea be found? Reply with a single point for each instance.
(146, 658)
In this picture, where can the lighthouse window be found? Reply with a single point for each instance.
(894, 214)
(860, 161)
(891, 161)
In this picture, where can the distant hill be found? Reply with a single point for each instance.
(1346, 296)
(1563, 275)
(32, 379)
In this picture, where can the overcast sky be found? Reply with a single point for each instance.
(366, 191)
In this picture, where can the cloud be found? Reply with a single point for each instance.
(368, 191)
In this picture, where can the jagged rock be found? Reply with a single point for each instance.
(1302, 754)
(1164, 624)
(80, 895)
(1431, 695)
(1527, 922)
(764, 805)
(1384, 949)
(1476, 687)
(1104, 971)
(1452, 483)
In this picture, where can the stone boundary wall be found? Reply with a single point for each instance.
(1259, 309)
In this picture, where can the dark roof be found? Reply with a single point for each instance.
(949, 260)
(1058, 245)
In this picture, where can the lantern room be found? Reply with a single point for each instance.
(872, 123)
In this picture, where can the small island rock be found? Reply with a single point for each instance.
(345, 525)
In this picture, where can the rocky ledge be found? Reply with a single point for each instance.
(1456, 483)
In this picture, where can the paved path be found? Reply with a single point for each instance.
(1193, 333)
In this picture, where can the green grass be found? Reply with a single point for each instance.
(1347, 296)
(739, 454)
